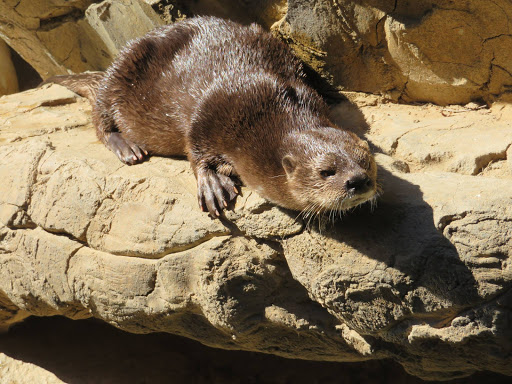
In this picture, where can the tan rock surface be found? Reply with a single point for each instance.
(465, 140)
(436, 51)
(8, 77)
(14, 371)
(82, 235)
(60, 36)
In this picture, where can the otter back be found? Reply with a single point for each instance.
(234, 101)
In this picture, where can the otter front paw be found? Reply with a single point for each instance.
(215, 191)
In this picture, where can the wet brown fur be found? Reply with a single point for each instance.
(234, 101)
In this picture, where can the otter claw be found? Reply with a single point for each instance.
(214, 191)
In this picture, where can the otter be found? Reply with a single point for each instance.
(234, 100)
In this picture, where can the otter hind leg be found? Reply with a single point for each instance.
(106, 129)
(127, 151)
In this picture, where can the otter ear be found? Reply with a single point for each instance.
(289, 164)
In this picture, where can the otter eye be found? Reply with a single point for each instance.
(364, 162)
(327, 173)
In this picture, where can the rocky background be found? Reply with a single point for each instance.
(439, 51)
(424, 278)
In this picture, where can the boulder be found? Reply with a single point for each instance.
(16, 371)
(436, 51)
(60, 37)
(423, 275)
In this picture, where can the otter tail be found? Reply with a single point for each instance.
(84, 84)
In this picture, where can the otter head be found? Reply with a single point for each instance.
(329, 170)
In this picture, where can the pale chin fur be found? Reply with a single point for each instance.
(352, 202)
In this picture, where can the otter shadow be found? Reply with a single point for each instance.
(343, 112)
(401, 233)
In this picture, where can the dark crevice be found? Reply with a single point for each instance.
(54, 22)
(28, 77)
(496, 37)
(68, 262)
(503, 69)
(91, 351)
(447, 220)
(484, 161)
(60, 232)
(402, 93)
(175, 249)
(378, 25)
(485, 86)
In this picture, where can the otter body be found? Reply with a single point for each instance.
(233, 100)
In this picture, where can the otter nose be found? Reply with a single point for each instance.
(358, 184)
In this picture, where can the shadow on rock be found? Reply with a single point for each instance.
(83, 352)
(375, 269)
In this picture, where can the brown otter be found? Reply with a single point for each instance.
(233, 100)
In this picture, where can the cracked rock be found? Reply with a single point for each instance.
(437, 51)
(424, 275)
(451, 139)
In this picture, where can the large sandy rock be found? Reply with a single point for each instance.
(424, 275)
(14, 371)
(433, 51)
(436, 51)
(62, 36)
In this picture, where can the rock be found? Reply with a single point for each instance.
(457, 139)
(420, 252)
(437, 51)
(94, 352)
(19, 27)
(82, 235)
(117, 22)
(8, 77)
(264, 12)
(61, 37)
(431, 51)
(46, 10)
(18, 372)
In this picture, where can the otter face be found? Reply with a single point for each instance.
(339, 173)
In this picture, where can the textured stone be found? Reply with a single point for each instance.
(424, 275)
(469, 140)
(19, 27)
(117, 22)
(48, 9)
(88, 351)
(438, 51)
(8, 77)
(14, 371)
(59, 37)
